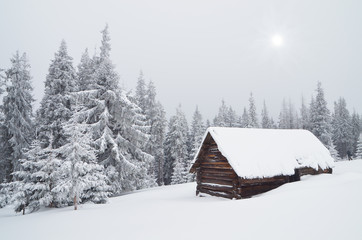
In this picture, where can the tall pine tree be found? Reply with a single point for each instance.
(18, 113)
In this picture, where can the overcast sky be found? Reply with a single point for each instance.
(199, 52)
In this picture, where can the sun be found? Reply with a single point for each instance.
(277, 40)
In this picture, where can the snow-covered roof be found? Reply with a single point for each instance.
(256, 153)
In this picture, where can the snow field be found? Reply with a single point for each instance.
(318, 207)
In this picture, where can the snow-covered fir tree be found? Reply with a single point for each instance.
(359, 148)
(177, 160)
(156, 117)
(265, 119)
(304, 115)
(221, 118)
(320, 118)
(18, 113)
(81, 177)
(253, 118)
(37, 177)
(196, 134)
(342, 129)
(333, 151)
(120, 130)
(245, 120)
(288, 117)
(356, 131)
(85, 72)
(231, 118)
(56, 105)
(141, 91)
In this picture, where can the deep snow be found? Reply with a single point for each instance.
(318, 207)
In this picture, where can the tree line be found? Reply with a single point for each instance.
(91, 139)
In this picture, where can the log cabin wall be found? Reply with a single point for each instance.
(215, 176)
(312, 171)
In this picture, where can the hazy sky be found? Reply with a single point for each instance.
(199, 52)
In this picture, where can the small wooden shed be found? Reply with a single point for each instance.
(239, 163)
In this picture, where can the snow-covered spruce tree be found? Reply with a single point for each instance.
(356, 131)
(207, 124)
(18, 112)
(36, 178)
(231, 118)
(342, 129)
(265, 119)
(359, 148)
(56, 105)
(85, 72)
(142, 92)
(304, 114)
(245, 120)
(253, 118)
(196, 134)
(221, 118)
(118, 125)
(177, 159)
(156, 117)
(320, 117)
(5, 149)
(82, 178)
(334, 152)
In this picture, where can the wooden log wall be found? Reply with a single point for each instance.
(215, 176)
(312, 171)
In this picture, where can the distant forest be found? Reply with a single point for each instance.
(91, 139)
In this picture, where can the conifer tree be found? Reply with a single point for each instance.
(81, 175)
(85, 72)
(155, 116)
(141, 92)
(221, 119)
(320, 117)
(253, 118)
(359, 148)
(304, 114)
(119, 127)
(265, 120)
(18, 112)
(356, 130)
(197, 132)
(36, 178)
(245, 120)
(56, 105)
(176, 155)
(342, 129)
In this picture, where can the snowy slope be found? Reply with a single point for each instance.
(318, 207)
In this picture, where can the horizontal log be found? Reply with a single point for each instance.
(222, 178)
(264, 180)
(215, 193)
(210, 166)
(213, 170)
(217, 174)
(219, 188)
(222, 163)
(216, 181)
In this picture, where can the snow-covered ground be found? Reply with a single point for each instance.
(318, 207)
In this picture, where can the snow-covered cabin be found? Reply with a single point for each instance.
(241, 162)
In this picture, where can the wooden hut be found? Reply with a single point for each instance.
(239, 163)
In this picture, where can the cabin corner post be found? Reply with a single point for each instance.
(198, 181)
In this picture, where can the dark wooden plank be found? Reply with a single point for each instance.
(216, 181)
